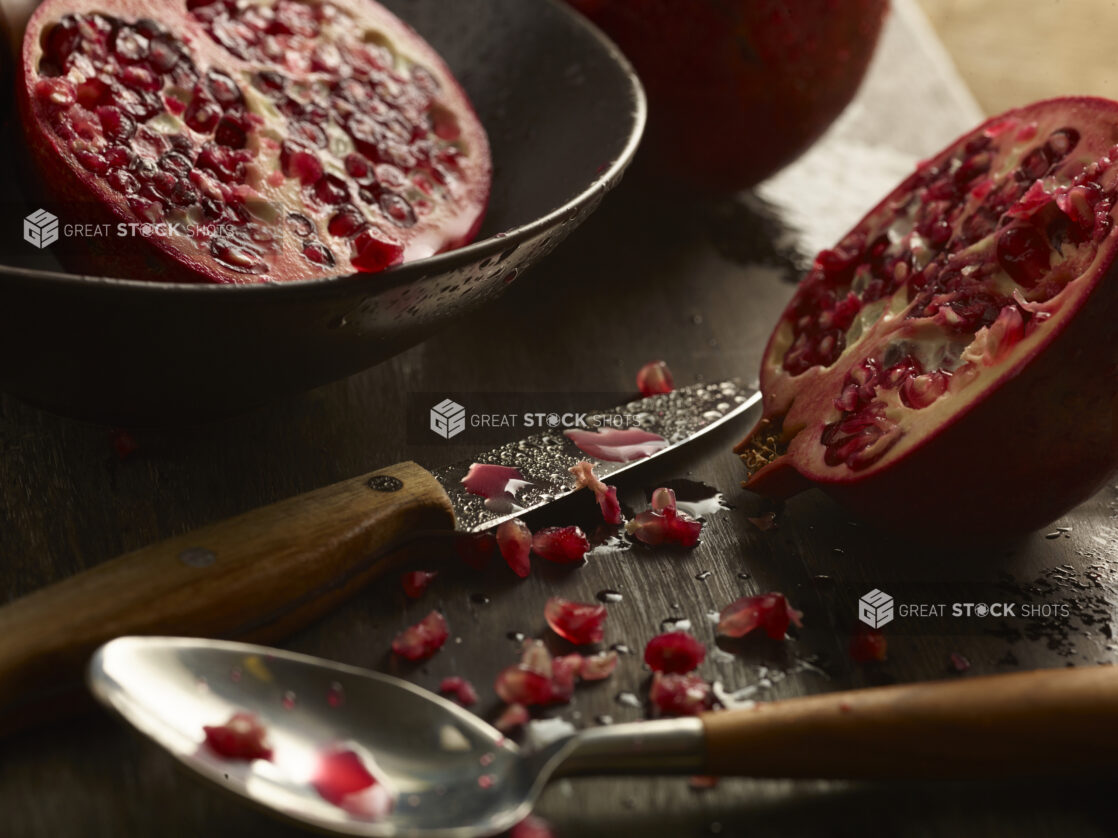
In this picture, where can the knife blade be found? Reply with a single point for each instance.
(266, 573)
(544, 459)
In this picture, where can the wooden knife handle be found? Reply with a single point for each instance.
(256, 576)
(1046, 722)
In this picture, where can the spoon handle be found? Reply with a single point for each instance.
(1045, 722)
(256, 576)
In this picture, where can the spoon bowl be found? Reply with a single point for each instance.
(453, 775)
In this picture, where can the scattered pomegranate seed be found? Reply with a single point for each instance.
(605, 495)
(532, 827)
(765, 522)
(459, 689)
(514, 540)
(655, 378)
(242, 737)
(475, 549)
(517, 684)
(123, 443)
(959, 663)
(579, 622)
(535, 656)
(675, 651)
(599, 666)
(493, 482)
(423, 639)
(673, 694)
(565, 670)
(867, 645)
(343, 779)
(664, 524)
(769, 611)
(512, 717)
(415, 582)
(702, 782)
(562, 545)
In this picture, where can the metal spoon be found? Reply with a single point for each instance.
(457, 777)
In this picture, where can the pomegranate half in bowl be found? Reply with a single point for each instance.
(148, 351)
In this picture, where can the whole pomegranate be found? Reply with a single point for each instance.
(951, 366)
(262, 141)
(738, 88)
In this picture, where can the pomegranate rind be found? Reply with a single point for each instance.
(182, 257)
(1027, 430)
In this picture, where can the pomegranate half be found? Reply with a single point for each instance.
(951, 366)
(265, 141)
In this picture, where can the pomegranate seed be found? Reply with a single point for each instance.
(514, 540)
(674, 694)
(564, 670)
(867, 645)
(348, 221)
(562, 545)
(241, 738)
(230, 132)
(769, 611)
(606, 495)
(319, 254)
(341, 778)
(269, 81)
(654, 378)
(598, 666)
(299, 163)
(415, 582)
(201, 115)
(123, 182)
(579, 622)
(331, 189)
(92, 161)
(373, 252)
(358, 168)
(532, 827)
(664, 524)
(958, 662)
(675, 651)
(518, 684)
(422, 640)
(236, 256)
(512, 717)
(58, 92)
(475, 549)
(130, 46)
(397, 210)
(1023, 253)
(459, 689)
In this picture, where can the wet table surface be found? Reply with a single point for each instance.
(699, 287)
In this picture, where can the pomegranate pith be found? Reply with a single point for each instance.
(269, 151)
(956, 349)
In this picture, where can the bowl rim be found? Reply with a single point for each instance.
(401, 275)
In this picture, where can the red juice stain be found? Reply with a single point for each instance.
(617, 445)
(343, 779)
(497, 484)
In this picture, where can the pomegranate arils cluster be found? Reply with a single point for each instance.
(676, 694)
(770, 612)
(579, 622)
(907, 356)
(664, 524)
(292, 139)
(422, 640)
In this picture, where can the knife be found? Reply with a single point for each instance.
(266, 573)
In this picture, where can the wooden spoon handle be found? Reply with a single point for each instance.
(1031, 723)
(257, 577)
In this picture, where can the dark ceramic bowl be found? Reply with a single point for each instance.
(564, 113)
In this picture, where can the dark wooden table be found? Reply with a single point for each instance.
(699, 287)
